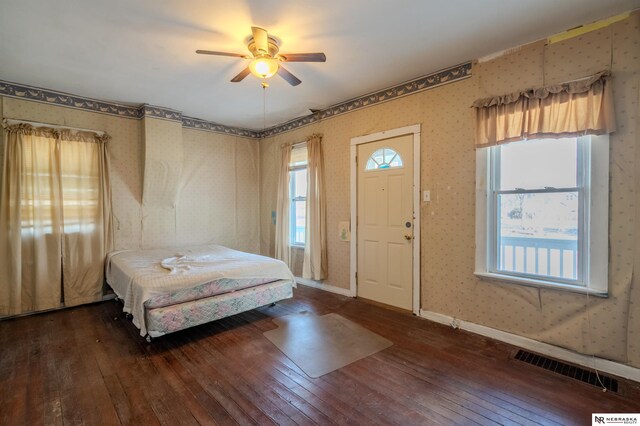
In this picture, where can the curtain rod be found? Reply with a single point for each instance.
(294, 144)
(53, 126)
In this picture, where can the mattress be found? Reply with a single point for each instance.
(161, 277)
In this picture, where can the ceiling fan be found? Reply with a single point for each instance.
(265, 59)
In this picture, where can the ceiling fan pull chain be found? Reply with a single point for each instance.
(264, 104)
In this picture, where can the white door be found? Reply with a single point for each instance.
(385, 221)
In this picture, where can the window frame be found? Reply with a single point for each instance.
(593, 194)
(292, 201)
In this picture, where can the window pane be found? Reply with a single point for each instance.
(299, 155)
(298, 193)
(385, 158)
(298, 216)
(378, 156)
(80, 185)
(538, 234)
(537, 164)
(60, 193)
(299, 183)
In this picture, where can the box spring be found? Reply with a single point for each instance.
(167, 319)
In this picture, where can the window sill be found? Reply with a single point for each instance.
(298, 246)
(530, 282)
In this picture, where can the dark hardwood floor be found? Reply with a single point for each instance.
(89, 365)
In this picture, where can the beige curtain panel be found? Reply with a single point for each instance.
(581, 107)
(315, 250)
(55, 218)
(283, 247)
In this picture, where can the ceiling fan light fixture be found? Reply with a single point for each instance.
(265, 59)
(264, 67)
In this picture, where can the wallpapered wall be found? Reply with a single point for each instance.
(218, 192)
(221, 177)
(448, 285)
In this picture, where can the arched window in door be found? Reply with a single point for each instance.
(384, 158)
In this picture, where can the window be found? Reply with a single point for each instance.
(385, 158)
(61, 186)
(298, 194)
(543, 213)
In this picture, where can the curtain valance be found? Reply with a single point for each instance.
(576, 108)
(55, 133)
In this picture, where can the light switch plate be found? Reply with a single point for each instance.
(426, 196)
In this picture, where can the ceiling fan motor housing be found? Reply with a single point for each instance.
(273, 48)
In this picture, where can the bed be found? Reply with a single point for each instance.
(171, 289)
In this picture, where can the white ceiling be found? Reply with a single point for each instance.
(142, 51)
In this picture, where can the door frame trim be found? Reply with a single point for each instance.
(374, 137)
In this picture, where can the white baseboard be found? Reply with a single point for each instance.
(603, 365)
(325, 287)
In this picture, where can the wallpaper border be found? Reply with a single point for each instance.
(22, 91)
(210, 126)
(430, 81)
(445, 76)
(162, 113)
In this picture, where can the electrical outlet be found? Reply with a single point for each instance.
(426, 196)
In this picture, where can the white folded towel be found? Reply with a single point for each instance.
(176, 264)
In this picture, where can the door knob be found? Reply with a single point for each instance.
(408, 237)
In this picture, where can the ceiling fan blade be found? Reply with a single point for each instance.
(261, 39)
(245, 72)
(291, 79)
(303, 57)
(213, 52)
